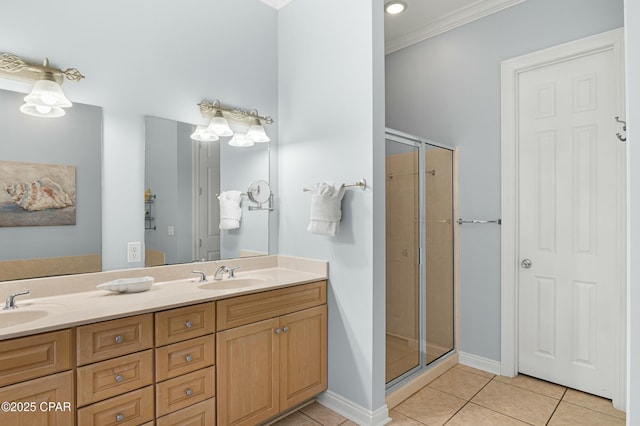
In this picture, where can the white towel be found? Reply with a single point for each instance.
(230, 211)
(326, 209)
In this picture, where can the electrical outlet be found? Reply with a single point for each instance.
(133, 252)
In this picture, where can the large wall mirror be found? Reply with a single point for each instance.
(183, 178)
(40, 159)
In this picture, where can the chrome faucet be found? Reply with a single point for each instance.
(232, 272)
(203, 276)
(220, 272)
(11, 303)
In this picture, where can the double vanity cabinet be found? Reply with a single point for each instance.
(240, 360)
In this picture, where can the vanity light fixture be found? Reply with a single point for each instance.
(46, 98)
(395, 7)
(219, 126)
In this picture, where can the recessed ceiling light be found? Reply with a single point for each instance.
(395, 7)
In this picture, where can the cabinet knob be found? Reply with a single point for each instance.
(188, 392)
(119, 339)
(285, 329)
(188, 358)
(278, 331)
(188, 324)
(119, 378)
(119, 417)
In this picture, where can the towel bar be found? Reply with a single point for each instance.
(362, 183)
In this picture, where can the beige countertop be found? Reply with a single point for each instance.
(64, 310)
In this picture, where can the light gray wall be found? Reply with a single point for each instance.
(331, 128)
(160, 58)
(632, 28)
(74, 140)
(447, 89)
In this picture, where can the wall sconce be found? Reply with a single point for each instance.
(219, 126)
(46, 99)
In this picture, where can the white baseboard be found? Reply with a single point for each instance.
(481, 363)
(353, 411)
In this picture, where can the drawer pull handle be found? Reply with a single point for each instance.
(119, 417)
(119, 378)
(278, 331)
(285, 329)
(189, 358)
(119, 339)
(188, 324)
(188, 392)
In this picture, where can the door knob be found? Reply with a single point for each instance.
(526, 263)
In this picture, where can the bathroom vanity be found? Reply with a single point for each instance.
(239, 351)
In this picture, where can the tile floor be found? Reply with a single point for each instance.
(466, 396)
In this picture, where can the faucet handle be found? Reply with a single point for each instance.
(232, 271)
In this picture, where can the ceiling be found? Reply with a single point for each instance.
(428, 18)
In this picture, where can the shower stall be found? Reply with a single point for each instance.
(420, 255)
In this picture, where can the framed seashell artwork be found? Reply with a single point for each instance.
(33, 194)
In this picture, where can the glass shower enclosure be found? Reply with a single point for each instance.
(420, 254)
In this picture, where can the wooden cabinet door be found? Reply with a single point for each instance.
(303, 356)
(248, 361)
(47, 401)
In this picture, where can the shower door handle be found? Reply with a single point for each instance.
(526, 263)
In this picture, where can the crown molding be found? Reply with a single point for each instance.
(277, 4)
(473, 12)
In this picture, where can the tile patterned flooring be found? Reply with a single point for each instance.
(466, 396)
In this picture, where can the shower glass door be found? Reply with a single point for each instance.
(420, 255)
(439, 251)
(403, 250)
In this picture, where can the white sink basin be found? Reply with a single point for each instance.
(17, 317)
(232, 284)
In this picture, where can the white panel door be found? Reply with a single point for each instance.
(570, 199)
(208, 184)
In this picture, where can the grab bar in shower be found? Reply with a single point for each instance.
(498, 221)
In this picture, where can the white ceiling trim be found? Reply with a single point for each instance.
(277, 4)
(474, 11)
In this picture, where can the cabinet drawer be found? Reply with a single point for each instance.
(184, 391)
(243, 310)
(130, 409)
(110, 339)
(185, 357)
(114, 377)
(51, 389)
(200, 414)
(185, 323)
(26, 358)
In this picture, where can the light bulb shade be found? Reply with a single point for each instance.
(220, 127)
(203, 135)
(257, 134)
(42, 111)
(241, 140)
(47, 93)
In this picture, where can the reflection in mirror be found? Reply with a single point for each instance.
(183, 178)
(32, 150)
